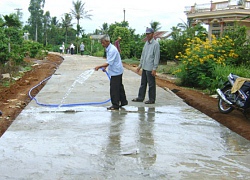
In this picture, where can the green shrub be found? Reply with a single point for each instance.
(32, 48)
(98, 53)
(201, 58)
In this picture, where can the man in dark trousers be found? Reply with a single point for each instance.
(148, 63)
(115, 70)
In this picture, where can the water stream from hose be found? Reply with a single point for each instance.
(80, 79)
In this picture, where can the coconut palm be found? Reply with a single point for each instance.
(79, 11)
(184, 26)
(66, 23)
(155, 25)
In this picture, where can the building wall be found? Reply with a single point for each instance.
(219, 15)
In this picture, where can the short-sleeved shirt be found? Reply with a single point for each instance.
(115, 67)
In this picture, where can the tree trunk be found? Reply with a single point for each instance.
(36, 33)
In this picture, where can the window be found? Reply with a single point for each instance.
(216, 33)
(216, 25)
(229, 24)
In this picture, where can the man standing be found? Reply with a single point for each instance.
(63, 48)
(117, 44)
(72, 48)
(115, 70)
(82, 48)
(149, 63)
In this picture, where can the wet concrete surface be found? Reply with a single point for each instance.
(167, 140)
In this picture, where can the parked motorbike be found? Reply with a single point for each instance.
(228, 101)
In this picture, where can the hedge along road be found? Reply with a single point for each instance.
(166, 140)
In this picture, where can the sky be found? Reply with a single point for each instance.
(139, 14)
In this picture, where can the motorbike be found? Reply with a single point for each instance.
(239, 98)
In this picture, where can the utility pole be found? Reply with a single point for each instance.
(18, 12)
(124, 14)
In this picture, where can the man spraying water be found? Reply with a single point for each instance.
(115, 70)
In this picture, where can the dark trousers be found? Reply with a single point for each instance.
(72, 51)
(82, 52)
(147, 78)
(117, 92)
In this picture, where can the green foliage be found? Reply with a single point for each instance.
(6, 83)
(171, 47)
(131, 44)
(98, 54)
(12, 20)
(124, 33)
(11, 38)
(241, 43)
(136, 46)
(201, 58)
(92, 47)
(35, 20)
(3, 47)
(112, 27)
(32, 49)
(79, 12)
(131, 61)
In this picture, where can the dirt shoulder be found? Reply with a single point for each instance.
(15, 98)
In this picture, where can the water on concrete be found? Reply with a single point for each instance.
(167, 140)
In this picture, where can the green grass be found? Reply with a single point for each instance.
(6, 84)
(131, 61)
(27, 68)
(242, 71)
(165, 67)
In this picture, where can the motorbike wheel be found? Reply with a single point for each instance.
(224, 107)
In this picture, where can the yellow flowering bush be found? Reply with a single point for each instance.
(200, 59)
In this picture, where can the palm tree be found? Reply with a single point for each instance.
(155, 25)
(79, 11)
(66, 23)
(55, 22)
(104, 29)
(184, 26)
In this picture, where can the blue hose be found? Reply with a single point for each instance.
(66, 105)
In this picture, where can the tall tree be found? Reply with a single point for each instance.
(66, 23)
(54, 21)
(12, 23)
(55, 35)
(10, 42)
(35, 19)
(79, 12)
(46, 26)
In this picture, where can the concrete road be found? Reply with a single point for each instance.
(73, 136)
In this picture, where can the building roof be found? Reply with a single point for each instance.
(96, 37)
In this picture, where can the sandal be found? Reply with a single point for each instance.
(149, 102)
(124, 104)
(112, 108)
(137, 100)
